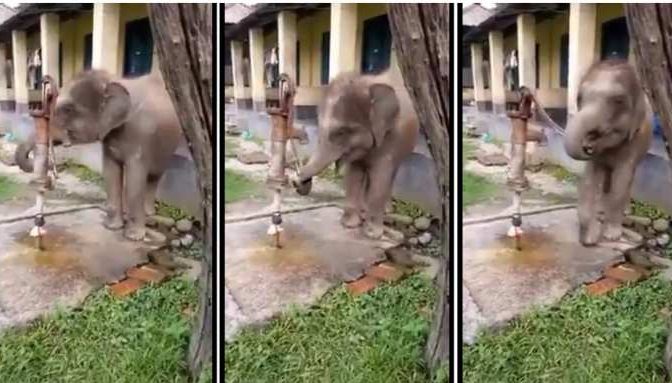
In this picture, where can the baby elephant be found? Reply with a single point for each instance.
(370, 127)
(612, 132)
(139, 130)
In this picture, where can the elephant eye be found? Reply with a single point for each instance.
(593, 134)
(618, 101)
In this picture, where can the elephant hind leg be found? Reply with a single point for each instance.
(150, 194)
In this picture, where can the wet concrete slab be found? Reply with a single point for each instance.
(79, 255)
(504, 282)
(317, 253)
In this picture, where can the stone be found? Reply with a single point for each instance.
(174, 231)
(184, 225)
(398, 219)
(624, 273)
(637, 220)
(661, 261)
(400, 256)
(362, 286)
(663, 239)
(187, 240)
(661, 225)
(126, 287)
(632, 235)
(603, 286)
(492, 159)
(430, 266)
(164, 259)
(394, 235)
(175, 243)
(639, 258)
(160, 220)
(155, 238)
(192, 268)
(413, 241)
(422, 223)
(251, 158)
(146, 273)
(425, 238)
(385, 272)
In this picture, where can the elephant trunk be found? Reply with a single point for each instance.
(22, 156)
(318, 162)
(577, 128)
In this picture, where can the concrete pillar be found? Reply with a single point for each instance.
(105, 53)
(257, 69)
(20, 60)
(49, 39)
(477, 74)
(342, 39)
(238, 74)
(287, 44)
(526, 43)
(582, 22)
(496, 43)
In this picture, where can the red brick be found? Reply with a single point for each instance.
(602, 286)
(126, 287)
(624, 273)
(362, 285)
(385, 272)
(146, 273)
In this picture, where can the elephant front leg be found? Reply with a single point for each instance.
(381, 177)
(617, 199)
(113, 176)
(355, 186)
(136, 186)
(590, 227)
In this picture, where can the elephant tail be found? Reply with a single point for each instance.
(22, 156)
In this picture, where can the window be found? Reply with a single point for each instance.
(536, 66)
(298, 63)
(377, 45)
(138, 48)
(324, 73)
(88, 51)
(60, 64)
(564, 60)
(615, 39)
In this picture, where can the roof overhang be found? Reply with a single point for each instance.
(28, 16)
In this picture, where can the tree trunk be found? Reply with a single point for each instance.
(183, 40)
(421, 37)
(650, 27)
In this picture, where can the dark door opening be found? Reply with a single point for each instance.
(377, 45)
(138, 48)
(324, 70)
(88, 51)
(615, 39)
(564, 60)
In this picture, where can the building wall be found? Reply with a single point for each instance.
(73, 33)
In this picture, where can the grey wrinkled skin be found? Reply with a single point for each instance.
(612, 132)
(369, 127)
(139, 130)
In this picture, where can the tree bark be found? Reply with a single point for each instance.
(650, 27)
(421, 37)
(183, 40)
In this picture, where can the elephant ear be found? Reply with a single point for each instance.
(114, 109)
(384, 110)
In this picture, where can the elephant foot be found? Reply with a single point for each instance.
(591, 234)
(613, 232)
(372, 230)
(114, 222)
(351, 220)
(135, 233)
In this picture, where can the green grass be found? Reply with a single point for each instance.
(171, 211)
(331, 174)
(375, 338)
(82, 172)
(560, 173)
(618, 338)
(237, 186)
(644, 209)
(476, 189)
(8, 188)
(143, 338)
(407, 208)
